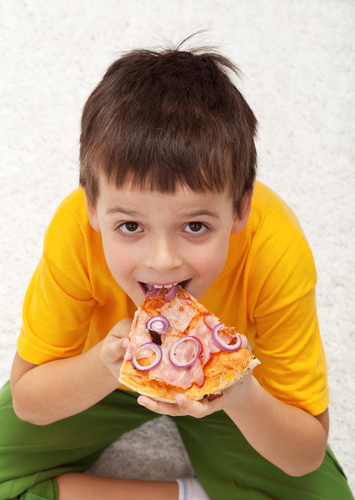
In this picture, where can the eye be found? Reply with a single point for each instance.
(196, 228)
(130, 228)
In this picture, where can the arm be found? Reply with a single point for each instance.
(45, 393)
(286, 436)
(290, 438)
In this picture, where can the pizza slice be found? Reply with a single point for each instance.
(177, 346)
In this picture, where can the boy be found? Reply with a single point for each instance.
(168, 167)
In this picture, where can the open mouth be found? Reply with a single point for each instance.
(148, 287)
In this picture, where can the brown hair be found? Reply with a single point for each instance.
(161, 120)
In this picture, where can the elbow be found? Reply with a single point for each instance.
(307, 461)
(23, 412)
(31, 418)
(302, 469)
(24, 398)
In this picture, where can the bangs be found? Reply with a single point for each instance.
(161, 163)
(161, 121)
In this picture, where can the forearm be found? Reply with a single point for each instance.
(62, 388)
(286, 436)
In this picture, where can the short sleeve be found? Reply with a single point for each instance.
(56, 316)
(58, 305)
(287, 339)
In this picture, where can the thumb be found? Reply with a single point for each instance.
(121, 329)
(114, 349)
(245, 344)
(115, 344)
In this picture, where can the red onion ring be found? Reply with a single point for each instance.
(171, 293)
(159, 324)
(172, 350)
(221, 343)
(152, 292)
(158, 356)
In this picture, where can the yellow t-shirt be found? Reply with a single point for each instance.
(266, 290)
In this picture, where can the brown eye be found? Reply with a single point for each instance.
(196, 228)
(130, 227)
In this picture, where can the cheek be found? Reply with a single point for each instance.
(117, 258)
(211, 260)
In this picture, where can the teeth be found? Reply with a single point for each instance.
(163, 286)
(168, 286)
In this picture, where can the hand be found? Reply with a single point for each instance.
(114, 346)
(237, 394)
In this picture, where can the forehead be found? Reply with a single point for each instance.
(183, 198)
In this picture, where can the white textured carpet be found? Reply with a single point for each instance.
(298, 61)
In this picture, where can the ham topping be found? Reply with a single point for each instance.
(179, 313)
(141, 335)
(203, 333)
(173, 375)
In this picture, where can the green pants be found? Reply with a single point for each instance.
(31, 456)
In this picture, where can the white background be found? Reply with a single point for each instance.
(298, 63)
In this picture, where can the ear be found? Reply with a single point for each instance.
(239, 224)
(92, 214)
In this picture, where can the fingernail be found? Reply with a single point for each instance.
(180, 400)
(125, 344)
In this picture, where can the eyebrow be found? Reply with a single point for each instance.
(195, 213)
(115, 210)
(198, 213)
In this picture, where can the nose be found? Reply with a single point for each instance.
(162, 255)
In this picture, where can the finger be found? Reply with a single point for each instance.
(170, 409)
(245, 344)
(197, 409)
(122, 328)
(114, 349)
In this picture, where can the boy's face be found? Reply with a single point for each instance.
(162, 239)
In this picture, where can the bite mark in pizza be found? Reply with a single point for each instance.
(191, 352)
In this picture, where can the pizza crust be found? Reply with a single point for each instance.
(219, 376)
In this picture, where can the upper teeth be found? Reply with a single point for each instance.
(165, 286)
